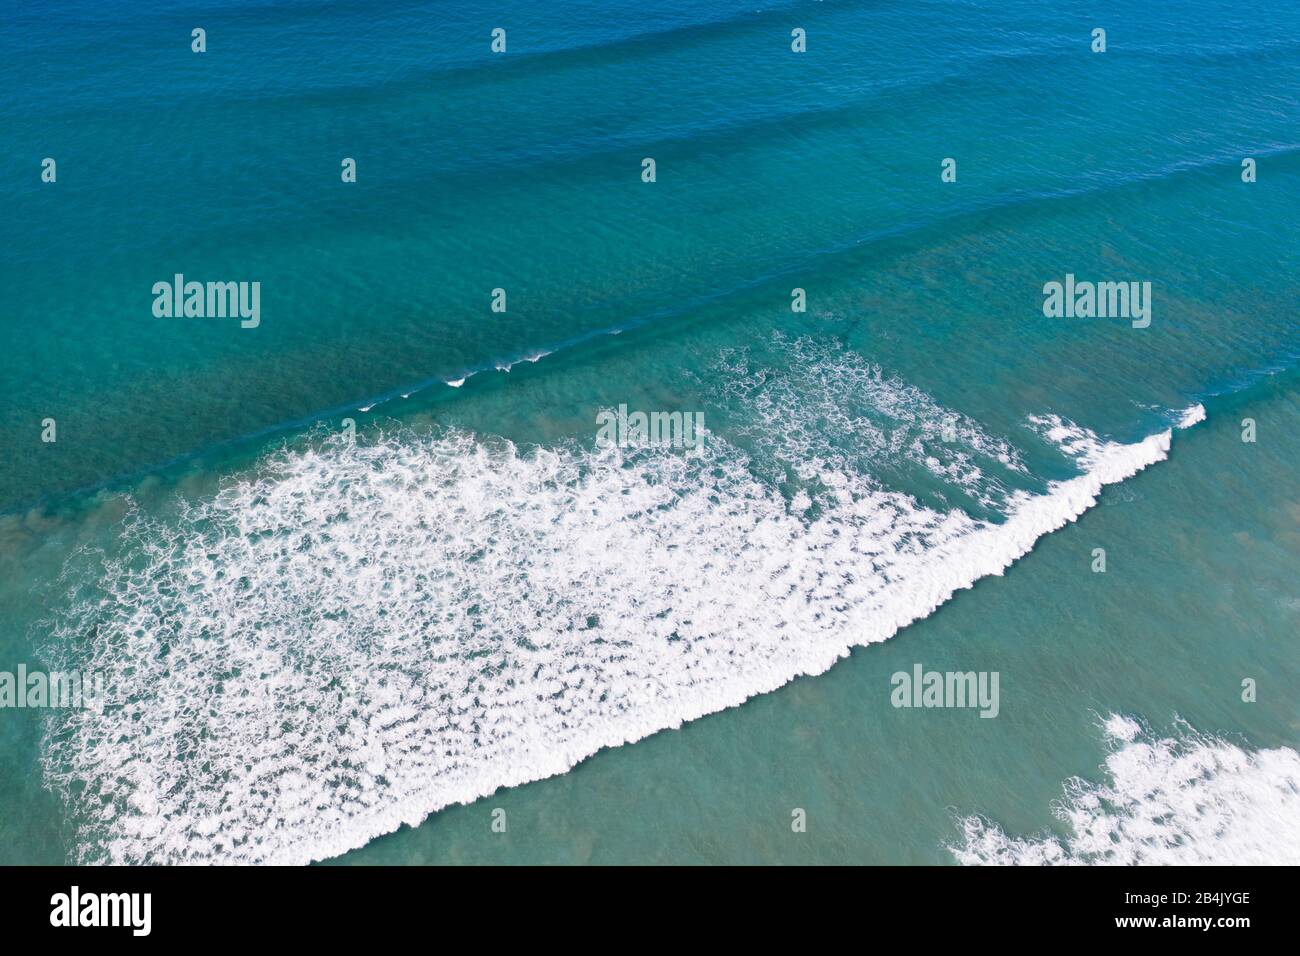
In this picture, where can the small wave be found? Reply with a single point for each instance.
(1192, 415)
(1185, 799)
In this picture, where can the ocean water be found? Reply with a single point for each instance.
(356, 648)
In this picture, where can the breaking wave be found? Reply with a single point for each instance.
(1185, 799)
(359, 634)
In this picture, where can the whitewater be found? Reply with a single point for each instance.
(353, 636)
(1181, 799)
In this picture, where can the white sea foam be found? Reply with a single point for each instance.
(1192, 415)
(1185, 799)
(364, 633)
(828, 409)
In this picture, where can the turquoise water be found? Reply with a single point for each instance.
(318, 641)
